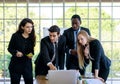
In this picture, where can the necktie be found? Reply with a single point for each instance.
(75, 39)
(56, 55)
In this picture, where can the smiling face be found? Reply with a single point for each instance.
(53, 36)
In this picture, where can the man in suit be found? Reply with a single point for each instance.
(71, 44)
(50, 58)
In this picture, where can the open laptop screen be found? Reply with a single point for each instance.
(62, 77)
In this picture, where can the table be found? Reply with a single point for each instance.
(91, 81)
(43, 80)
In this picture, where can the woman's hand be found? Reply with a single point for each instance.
(100, 79)
(19, 54)
(96, 75)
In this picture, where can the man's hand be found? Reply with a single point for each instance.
(73, 52)
(52, 67)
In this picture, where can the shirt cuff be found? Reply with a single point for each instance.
(49, 63)
(69, 51)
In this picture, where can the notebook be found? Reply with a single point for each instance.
(62, 77)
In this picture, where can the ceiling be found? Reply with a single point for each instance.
(56, 1)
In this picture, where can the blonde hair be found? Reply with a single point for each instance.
(80, 48)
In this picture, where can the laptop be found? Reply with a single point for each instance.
(62, 77)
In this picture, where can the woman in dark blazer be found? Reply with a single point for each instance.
(21, 47)
(92, 50)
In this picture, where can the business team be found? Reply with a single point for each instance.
(53, 48)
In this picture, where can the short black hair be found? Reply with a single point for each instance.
(76, 16)
(54, 28)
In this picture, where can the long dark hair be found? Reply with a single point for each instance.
(22, 24)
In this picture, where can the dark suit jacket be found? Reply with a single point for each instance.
(24, 45)
(72, 61)
(46, 54)
(100, 61)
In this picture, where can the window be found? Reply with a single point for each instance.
(102, 18)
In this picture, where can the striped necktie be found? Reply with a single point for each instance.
(75, 39)
(55, 55)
